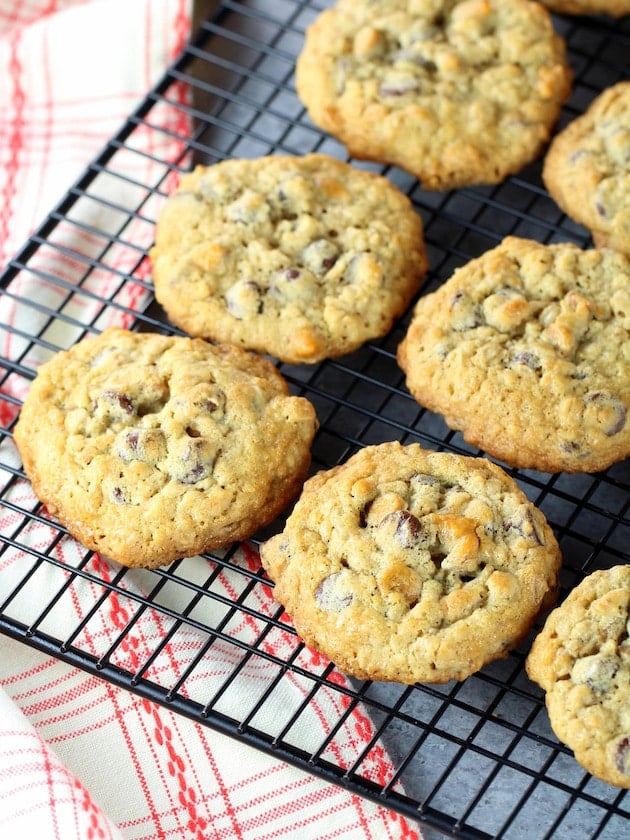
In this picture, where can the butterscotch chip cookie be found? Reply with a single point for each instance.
(413, 566)
(304, 258)
(454, 92)
(526, 351)
(149, 448)
(581, 659)
(613, 8)
(587, 169)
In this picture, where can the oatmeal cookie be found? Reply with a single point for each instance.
(454, 92)
(304, 258)
(581, 659)
(526, 351)
(149, 447)
(413, 566)
(587, 169)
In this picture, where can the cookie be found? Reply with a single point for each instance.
(581, 659)
(613, 8)
(303, 258)
(457, 93)
(149, 447)
(587, 170)
(526, 351)
(413, 566)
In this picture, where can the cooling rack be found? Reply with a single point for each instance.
(475, 759)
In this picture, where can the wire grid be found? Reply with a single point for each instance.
(475, 759)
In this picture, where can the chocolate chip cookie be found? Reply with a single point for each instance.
(454, 92)
(525, 350)
(587, 168)
(413, 566)
(303, 258)
(149, 447)
(581, 659)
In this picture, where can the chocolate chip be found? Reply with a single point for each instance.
(147, 445)
(208, 399)
(465, 313)
(596, 671)
(284, 282)
(413, 56)
(523, 523)
(118, 496)
(610, 414)
(320, 256)
(124, 402)
(343, 68)
(215, 404)
(243, 299)
(406, 527)
(291, 285)
(114, 403)
(330, 597)
(622, 755)
(424, 478)
(250, 208)
(127, 446)
(194, 474)
(196, 461)
(530, 360)
(398, 87)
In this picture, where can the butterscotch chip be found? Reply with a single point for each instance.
(408, 565)
(454, 92)
(149, 448)
(587, 169)
(304, 258)
(581, 659)
(525, 350)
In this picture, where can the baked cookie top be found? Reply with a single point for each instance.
(614, 8)
(303, 258)
(581, 659)
(149, 447)
(454, 92)
(526, 351)
(587, 168)
(413, 566)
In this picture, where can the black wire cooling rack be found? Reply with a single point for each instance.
(475, 759)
